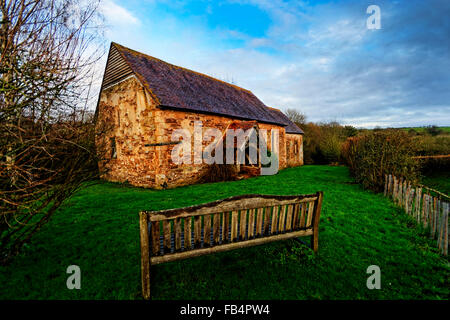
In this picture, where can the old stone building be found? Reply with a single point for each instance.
(144, 99)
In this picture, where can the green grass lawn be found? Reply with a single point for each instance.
(422, 129)
(439, 181)
(98, 230)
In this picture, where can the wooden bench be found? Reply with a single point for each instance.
(222, 225)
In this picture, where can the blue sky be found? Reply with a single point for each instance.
(314, 56)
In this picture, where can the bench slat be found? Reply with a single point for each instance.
(295, 220)
(167, 236)
(234, 225)
(274, 225)
(216, 226)
(197, 231)
(282, 219)
(225, 227)
(243, 224)
(207, 230)
(259, 219)
(155, 237)
(303, 216)
(251, 223)
(177, 231)
(267, 216)
(289, 213)
(187, 233)
(310, 214)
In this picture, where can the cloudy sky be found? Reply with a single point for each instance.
(318, 57)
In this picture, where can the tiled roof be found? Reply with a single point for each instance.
(183, 89)
(291, 127)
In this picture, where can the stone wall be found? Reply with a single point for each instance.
(169, 120)
(294, 150)
(128, 114)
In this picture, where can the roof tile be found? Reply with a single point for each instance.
(180, 88)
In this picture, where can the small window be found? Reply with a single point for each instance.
(113, 148)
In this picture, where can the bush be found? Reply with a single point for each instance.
(376, 153)
(311, 143)
(330, 147)
(323, 142)
(433, 130)
(350, 131)
(426, 145)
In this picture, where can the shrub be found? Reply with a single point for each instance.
(376, 153)
(433, 130)
(330, 147)
(349, 151)
(426, 145)
(412, 132)
(350, 131)
(323, 141)
(311, 143)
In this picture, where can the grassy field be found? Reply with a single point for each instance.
(439, 181)
(422, 129)
(98, 231)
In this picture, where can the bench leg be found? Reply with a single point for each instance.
(145, 255)
(146, 284)
(315, 241)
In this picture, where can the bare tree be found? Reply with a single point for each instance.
(48, 50)
(296, 116)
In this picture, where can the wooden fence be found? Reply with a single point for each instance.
(441, 156)
(430, 211)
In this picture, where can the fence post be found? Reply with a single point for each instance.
(436, 218)
(405, 195)
(390, 185)
(419, 198)
(429, 211)
(411, 201)
(446, 230)
(424, 205)
(385, 184)
(394, 194)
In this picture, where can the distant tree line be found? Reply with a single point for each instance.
(372, 153)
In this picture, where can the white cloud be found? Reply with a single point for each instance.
(117, 15)
(324, 63)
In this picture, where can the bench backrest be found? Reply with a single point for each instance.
(235, 219)
(222, 225)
